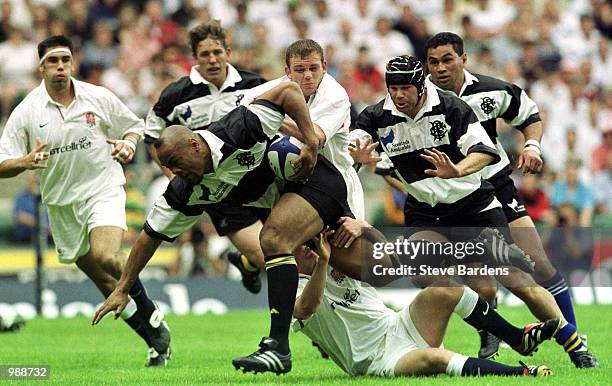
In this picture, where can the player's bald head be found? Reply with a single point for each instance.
(184, 152)
(174, 137)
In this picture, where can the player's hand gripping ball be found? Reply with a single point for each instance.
(280, 154)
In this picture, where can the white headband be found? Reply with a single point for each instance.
(54, 50)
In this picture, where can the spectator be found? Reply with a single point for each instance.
(569, 245)
(535, 199)
(602, 186)
(18, 65)
(575, 192)
(101, 50)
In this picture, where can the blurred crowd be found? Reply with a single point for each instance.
(559, 51)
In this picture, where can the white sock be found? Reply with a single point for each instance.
(466, 304)
(129, 310)
(455, 365)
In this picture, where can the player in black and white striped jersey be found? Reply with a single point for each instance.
(490, 99)
(213, 88)
(416, 117)
(227, 163)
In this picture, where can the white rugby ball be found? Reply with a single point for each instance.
(280, 154)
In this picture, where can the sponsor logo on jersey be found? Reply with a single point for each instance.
(350, 297)
(83, 144)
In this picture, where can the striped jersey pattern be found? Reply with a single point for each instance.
(445, 123)
(492, 98)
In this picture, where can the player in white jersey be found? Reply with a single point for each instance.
(329, 108)
(490, 99)
(349, 321)
(76, 135)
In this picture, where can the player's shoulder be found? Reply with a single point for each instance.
(92, 91)
(249, 79)
(333, 91)
(488, 83)
(376, 110)
(451, 102)
(174, 89)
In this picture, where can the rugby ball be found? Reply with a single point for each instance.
(280, 154)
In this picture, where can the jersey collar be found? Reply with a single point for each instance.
(468, 80)
(233, 77)
(78, 89)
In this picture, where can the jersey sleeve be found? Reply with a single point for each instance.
(122, 119)
(471, 136)
(270, 116)
(365, 126)
(519, 110)
(158, 117)
(14, 141)
(333, 118)
(165, 223)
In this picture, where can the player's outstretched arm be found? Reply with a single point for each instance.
(33, 160)
(141, 253)
(310, 299)
(530, 160)
(445, 168)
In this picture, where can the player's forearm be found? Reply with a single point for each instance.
(533, 132)
(473, 162)
(12, 167)
(291, 129)
(310, 299)
(293, 104)
(141, 253)
(133, 137)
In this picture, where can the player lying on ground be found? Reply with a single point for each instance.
(349, 321)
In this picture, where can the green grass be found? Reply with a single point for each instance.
(204, 346)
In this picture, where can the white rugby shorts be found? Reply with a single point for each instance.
(72, 224)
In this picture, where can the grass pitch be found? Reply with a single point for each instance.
(203, 347)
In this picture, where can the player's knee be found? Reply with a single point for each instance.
(441, 292)
(435, 360)
(527, 294)
(487, 293)
(109, 262)
(273, 241)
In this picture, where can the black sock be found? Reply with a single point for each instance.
(135, 322)
(282, 286)
(475, 367)
(485, 318)
(143, 302)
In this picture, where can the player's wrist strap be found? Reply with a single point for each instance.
(533, 145)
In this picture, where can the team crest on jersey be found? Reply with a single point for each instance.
(487, 105)
(90, 119)
(239, 98)
(337, 276)
(437, 130)
(246, 159)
